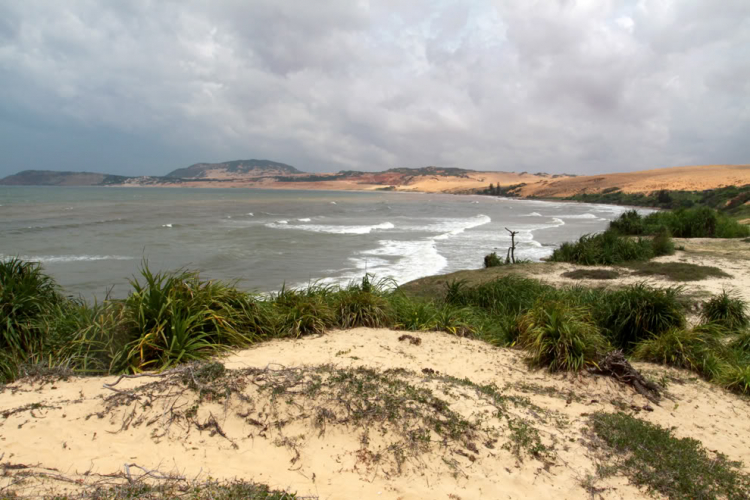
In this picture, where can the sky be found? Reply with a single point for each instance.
(142, 87)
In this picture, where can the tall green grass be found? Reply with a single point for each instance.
(610, 248)
(727, 310)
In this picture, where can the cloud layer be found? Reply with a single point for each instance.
(584, 86)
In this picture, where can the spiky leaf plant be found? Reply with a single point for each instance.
(561, 336)
(725, 309)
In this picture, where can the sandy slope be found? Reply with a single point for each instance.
(693, 178)
(70, 432)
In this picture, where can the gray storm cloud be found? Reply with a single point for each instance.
(143, 87)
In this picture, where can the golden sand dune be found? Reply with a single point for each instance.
(695, 178)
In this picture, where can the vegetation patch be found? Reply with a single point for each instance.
(700, 222)
(592, 274)
(727, 310)
(611, 248)
(677, 271)
(651, 457)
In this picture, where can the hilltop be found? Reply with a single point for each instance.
(233, 169)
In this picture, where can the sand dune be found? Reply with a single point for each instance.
(695, 178)
(84, 431)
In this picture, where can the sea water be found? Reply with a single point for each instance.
(93, 239)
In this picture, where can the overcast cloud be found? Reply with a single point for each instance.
(588, 86)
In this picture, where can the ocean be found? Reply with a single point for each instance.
(92, 239)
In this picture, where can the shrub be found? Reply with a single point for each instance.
(741, 343)
(26, 294)
(630, 223)
(302, 313)
(698, 222)
(699, 349)
(560, 336)
(506, 295)
(174, 317)
(492, 260)
(637, 312)
(662, 243)
(363, 305)
(607, 248)
(725, 309)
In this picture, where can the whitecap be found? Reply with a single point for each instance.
(304, 220)
(533, 214)
(331, 229)
(333, 203)
(282, 222)
(250, 214)
(166, 225)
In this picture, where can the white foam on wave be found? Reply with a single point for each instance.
(282, 222)
(250, 214)
(331, 229)
(577, 216)
(306, 219)
(533, 214)
(166, 225)
(65, 258)
(333, 203)
(415, 259)
(452, 226)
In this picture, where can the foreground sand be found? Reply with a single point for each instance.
(62, 427)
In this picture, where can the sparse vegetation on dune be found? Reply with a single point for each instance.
(611, 248)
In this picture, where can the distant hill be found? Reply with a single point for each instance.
(52, 178)
(260, 168)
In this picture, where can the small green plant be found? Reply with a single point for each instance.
(696, 222)
(492, 260)
(676, 468)
(560, 336)
(725, 309)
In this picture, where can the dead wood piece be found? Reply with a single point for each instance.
(616, 366)
(412, 340)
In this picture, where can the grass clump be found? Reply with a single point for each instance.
(610, 248)
(638, 312)
(727, 310)
(592, 274)
(561, 336)
(176, 317)
(651, 457)
(699, 349)
(677, 271)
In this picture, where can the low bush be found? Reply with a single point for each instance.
(560, 336)
(26, 294)
(492, 260)
(699, 349)
(725, 309)
(507, 295)
(363, 305)
(638, 312)
(176, 317)
(736, 378)
(609, 248)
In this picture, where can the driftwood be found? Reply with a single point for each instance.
(615, 365)
(511, 257)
